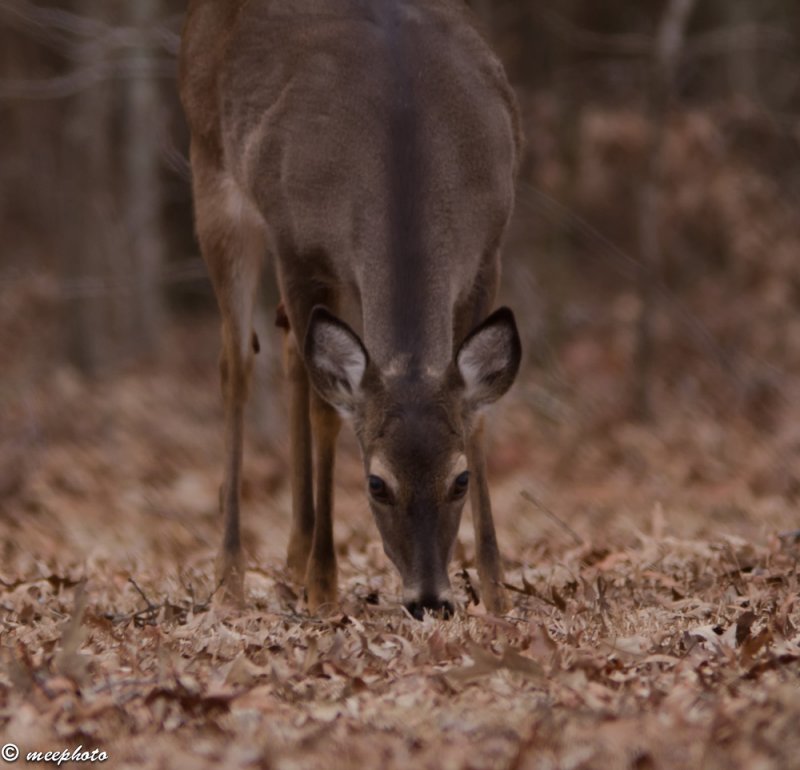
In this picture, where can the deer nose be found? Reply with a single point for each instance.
(433, 604)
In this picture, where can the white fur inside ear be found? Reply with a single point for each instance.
(488, 362)
(470, 369)
(484, 357)
(338, 354)
(336, 363)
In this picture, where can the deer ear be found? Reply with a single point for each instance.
(335, 359)
(488, 359)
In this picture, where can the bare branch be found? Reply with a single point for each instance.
(83, 78)
(84, 287)
(746, 36)
(56, 87)
(595, 42)
(739, 37)
(48, 19)
(82, 38)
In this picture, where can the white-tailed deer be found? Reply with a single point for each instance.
(370, 146)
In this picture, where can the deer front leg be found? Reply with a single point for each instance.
(321, 575)
(233, 241)
(300, 461)
(490, 568)
(235, 371)
(236, 295)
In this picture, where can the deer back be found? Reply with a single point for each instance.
(378, 138)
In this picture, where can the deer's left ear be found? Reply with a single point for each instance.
(336, 360)
(488, 359)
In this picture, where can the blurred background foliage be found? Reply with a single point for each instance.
(653, 256)
(645, 468)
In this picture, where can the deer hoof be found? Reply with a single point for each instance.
(230, 578)
(321, 594)
(494, 596)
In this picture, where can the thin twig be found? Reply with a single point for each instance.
(468, 587)
(141, 593)
(544, 509)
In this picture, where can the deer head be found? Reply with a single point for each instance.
(413, 427)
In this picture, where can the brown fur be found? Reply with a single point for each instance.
(371, 145)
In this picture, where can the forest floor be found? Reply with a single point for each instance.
(653, 570)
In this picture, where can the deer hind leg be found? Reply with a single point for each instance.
(300, 460)
(490, 568)
(321, 577)
(314, 427)
(233, 241)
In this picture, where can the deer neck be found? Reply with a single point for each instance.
(408, 319)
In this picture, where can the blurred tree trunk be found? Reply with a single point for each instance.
(569, 103)
(87, 210)
(666, 56)
(144, 195)
(742, 59)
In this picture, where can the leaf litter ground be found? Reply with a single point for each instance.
(652, 569)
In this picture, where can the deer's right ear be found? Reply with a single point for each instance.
(336, 360)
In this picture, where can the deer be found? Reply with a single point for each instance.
(370, 148)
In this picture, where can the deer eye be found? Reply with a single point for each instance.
(378, 490)
(461, 484)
